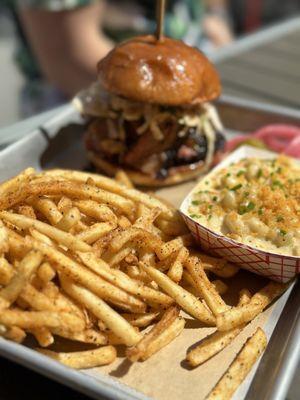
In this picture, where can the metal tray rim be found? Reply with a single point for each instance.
(114, 389)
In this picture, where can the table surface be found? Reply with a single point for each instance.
(262, 67)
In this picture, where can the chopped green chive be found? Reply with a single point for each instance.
(260, 211)
(277, 184)
(236, 187)
(282, 232)
(259, 174)
(250, 206)
(215, 198)
(195, 202)
(210, 206)
(244, 209)
(194, 216)
(280, 218)
(240, 172)
(209, 217)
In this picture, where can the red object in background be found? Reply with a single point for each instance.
(280, 138)
(253, 15)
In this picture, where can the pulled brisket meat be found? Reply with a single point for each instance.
(144, 152)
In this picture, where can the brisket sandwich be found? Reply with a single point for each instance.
(150, 112)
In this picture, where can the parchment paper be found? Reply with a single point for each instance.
(166, 376)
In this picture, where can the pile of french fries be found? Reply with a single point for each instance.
(93, 260)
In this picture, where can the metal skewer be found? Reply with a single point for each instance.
(160, 13)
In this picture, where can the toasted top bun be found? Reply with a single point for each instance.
(166, 72)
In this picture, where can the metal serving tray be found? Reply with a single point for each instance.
(57, 143)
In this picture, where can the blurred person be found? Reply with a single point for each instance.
(61, 41)
(250, 15)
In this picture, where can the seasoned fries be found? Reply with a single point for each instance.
(100, 309)
(139, 351)
(97, 262)
(240, 315)
(205, 288)
(185, 299)
(26, 269)
(240, 367)
(84, 359)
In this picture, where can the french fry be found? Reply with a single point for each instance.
(101, 325)
(38, 319)
(244, 297)
(6, 271)
(218, 266)
(112, 186)
(14, 333)
(64, 204)
(45, 272)
(84, 359)
(176, 269)
(171, 228)
(96, 231)
(43, 336)
(240, 315)
(122, 178)
(182, 297)
(3, 239)
(137, 352)
(121, 280)
(112, 261)
(17, 182)
(59, 236)
(82, 191)
(87, 336)
(124, 222)
(125, 236)
(210, 346)
(50, 290)
(147, 217)
(26, 210)
(71, 218)
(220, 286)
(100, 212)
(48, 208)
(114, 321)
(40, 236)
(36, 299)
(85, 277)
(141, 320)
(18, 247)
(115, 258)
(240, 367)
(167, 249)
(205, 288)
(26, 269)
(166, 337)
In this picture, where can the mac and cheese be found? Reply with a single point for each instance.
(253, 201)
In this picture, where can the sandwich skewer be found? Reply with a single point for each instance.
(160, 14)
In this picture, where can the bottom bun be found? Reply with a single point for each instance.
(178, 174)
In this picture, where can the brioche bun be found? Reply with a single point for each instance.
(165, 72)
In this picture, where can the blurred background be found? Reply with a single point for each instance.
(49, 48)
